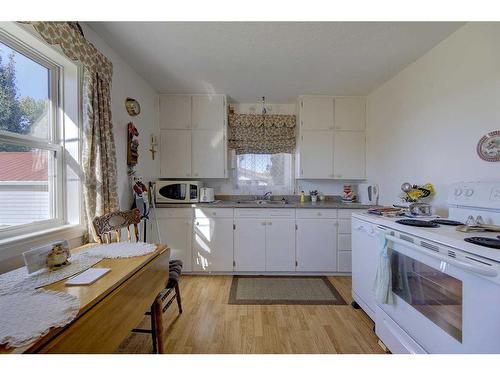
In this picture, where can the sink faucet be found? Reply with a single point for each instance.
(267, 196)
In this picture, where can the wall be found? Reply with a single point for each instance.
(423, 125)
(127, 83)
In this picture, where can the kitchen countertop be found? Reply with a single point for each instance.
(278, 204)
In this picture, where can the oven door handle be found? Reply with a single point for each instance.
(491, 272)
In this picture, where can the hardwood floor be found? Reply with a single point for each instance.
(209, 325)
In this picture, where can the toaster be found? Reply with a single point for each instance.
(207, 195)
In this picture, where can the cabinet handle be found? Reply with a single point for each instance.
(263, 223)
(197, 223)
(270, 223)
(214, 213)
(319, 214)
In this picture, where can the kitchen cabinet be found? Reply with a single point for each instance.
(316, 243)
(175, 153)
(316, 154)
(350, 113)
(175, 112)
(175, 228)
(280, 245)
(212, 240)
(193, 140)
(316, 113)
(349, 155)
(208, 112)
(264, 240)
(208, 151)
(250, 244)
(331, 138)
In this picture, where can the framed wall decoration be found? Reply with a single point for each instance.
(133, 107)
(488, 147)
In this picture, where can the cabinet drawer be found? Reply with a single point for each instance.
(306, 213)
(345, 242)
(347, 213)
(174, 212)
(249, 212)
(201, 212)
(344, 261)
(280, 212)
(345, 226)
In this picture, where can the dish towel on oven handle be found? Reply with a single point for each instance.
(383, 280)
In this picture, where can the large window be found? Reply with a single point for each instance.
(258, 173)
(30, 146)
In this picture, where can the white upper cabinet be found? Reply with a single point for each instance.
(193, 136)
(208, 112)
(175, 153)
(331, 142)
(175, 112)
(208, 154)
(316, 112)
(350, 113)
(349, 155)
(316, 154)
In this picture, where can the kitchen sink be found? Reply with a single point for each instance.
(270, 202)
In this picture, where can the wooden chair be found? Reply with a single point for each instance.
(114, 222)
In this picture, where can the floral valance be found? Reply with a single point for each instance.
(261, 134)
(75, 46)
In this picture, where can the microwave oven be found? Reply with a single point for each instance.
(177, 191)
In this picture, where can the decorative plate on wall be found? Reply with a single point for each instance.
(488, 147)
(133, 106)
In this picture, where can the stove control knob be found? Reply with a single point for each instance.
(469, 192)
(458, 192)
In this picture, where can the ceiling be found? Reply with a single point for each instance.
(247, 60)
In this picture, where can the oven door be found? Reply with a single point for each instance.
(445, 305)
(173, 192)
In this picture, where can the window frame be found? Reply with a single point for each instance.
(53, 143)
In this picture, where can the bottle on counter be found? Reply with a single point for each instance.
(302, 197)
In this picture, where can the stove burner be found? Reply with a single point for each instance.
(447, 222)
(417, 223)
(485, 241)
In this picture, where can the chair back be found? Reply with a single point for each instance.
(113, 223)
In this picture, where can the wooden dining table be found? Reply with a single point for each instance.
(109, 308)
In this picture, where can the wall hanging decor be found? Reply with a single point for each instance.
(133, 107)
(132, 145)
(488, 147)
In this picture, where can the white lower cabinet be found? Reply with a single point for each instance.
(316, 245)
(250, 244)
(280, 245)
(212, 244)
(176, 234)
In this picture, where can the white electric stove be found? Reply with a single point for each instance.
(446, 290)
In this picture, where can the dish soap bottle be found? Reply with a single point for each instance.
(302, 197)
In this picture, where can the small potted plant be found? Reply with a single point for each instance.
(314, 196)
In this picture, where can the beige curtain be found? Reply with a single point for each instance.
(261, 134)
(98, 146)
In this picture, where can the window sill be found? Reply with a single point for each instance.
(68, 230)
(13, 247)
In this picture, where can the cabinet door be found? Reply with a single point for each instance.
(208, 154)
(350, 113)
(175, 149)
(212, 245)
(316, 154)
(349, 155)
(316, 113)
(317, 245)
(208, 112)
(175, 112)
(250, 245)
(280, 245)
(176, 234)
